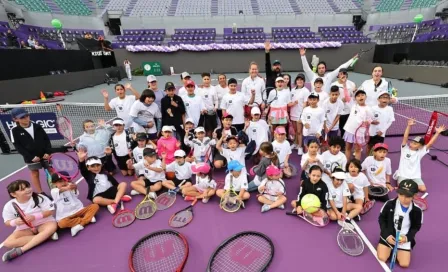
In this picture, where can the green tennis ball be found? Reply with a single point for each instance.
(401, 239)
(56, 23)
(310, 203)
(418, 18)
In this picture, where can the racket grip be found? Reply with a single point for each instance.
(354, 62)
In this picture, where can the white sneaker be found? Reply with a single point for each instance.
(152, 195)
(293, 146)
(134, 192)
(205, 200)
(93, 220)
(55, 236)
(76, 229)
(300, 151)
(347, 224)
(281, 207)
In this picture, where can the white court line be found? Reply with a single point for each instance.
(13, 173)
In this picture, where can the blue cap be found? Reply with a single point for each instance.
(234, 166)
(18, 112)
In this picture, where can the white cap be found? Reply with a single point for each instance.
(189, 120)
(279, 79)
(179, 153)
(151, 78)
(255, 110)
(185, 74)
(383, 92)
(118, 121)
(199, 129)
(339, 175)
(93, 161)
(167, 128)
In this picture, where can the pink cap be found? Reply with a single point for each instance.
(280, 130)
(273, 170)
(200, 168)
(190, 82)
(380, 145)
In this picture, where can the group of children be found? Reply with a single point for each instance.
(147, 142)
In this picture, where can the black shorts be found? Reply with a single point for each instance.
(110, 193)
(239, 127)
(208, 121)
(149, 183)
(385, 243)
(108, 164)
(152, 136)
(178, 181)
(375, 140)
(121, 162)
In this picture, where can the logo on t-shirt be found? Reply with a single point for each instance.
(116, 144)
(120, 108)
(376, 114)
(277, 151)
(230, 101)
(254, 130)
(187, 104)
(408, 156)
(373, 168)
(206, 96)
(96, 181)
(328, 111)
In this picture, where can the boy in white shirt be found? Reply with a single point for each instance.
(237, 179)
(221, 90)
(194, 105)
(333, 158)
(313, 118)
(210, 99)
(257, 129)
(201, 145)
(153, 172)
(347, 90)
(146, 115)
(122, 103)
(383, 117)
(323, 95)
(180, 167)
(378, 168)
(333, 108)
(70, 212)
(233, 103)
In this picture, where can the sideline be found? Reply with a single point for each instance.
(13, 173)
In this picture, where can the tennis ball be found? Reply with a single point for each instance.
(310, 203)
(401, 239)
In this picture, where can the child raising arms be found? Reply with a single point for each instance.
(272, 190)
(37, 208)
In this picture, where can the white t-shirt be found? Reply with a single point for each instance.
(357, 115)
(235, 155)
(300, 95)
(315, 117)
(305, 157)
(209, 96)
(102, 184)
(152, 176)
(369, 87)
(123, 108)
(351, 87)
(147, 114)
(359, 182)
(331, 161)
(238, 183)
(67, 203)
(282, 100)
(205, 182)
(250, 84)
(182, 171)
(30, 130)
(410, 167)
(234, 104)
(322, 97)
(220, 91)
(193, 107)
(405, 225)
(258, 131)
(121, 146)
(282, 149)
(337, 194)
(273, 187)
(385, 116)
(331, 111)
(376, 171)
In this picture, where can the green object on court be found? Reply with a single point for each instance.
(152, 68)
(418, 18)
(56, 23)
(310, 203)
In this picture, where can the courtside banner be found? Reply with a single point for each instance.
(47, 120)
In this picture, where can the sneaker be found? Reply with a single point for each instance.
(357, 218)
(300, 151)
(152, 195)
(205, 200)
(12, 254)
(242, 205)
(134, 192)
(281, 207)
(189, 198)
(112, 208)
(265, 208)
(76, 229)
(93, 220)
(293, 146)
(347, 224)
(126, 198)
(55, 236)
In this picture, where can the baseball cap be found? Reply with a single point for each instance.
(255, 110)
(189, 120)
(407, 187)
(280, 130)
(279, 79)
(313, 95)
(19, 113)
(169, 85)
(234, 166)
(380, 146)
(273, 170)
(118, 121)
(339, 175)
(185, 74)
(343, 70)
(419, 140)
(360, 91)
(149, 152)
(151, 78)
(200, 168)
(179, 153)
(383, 92)
(190, 83)
(227, 115)
(141, 136)
(276, 62)
(199, 129)
(232, 81)
(93, 160)
(302, 76)
(167, 128)
(319, 80)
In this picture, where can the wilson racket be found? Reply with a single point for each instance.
(335, 165)
(362, 52)
(362, 135)
(318, 219)
(161, 251)
(64, 165)
(421, 202)
(123, 218)
(64, 127)
(167, 199)
(183, 217)
(146, 208)
(22, 216)
(398, 222)
(229, 201)
(378, 190)
(368, 205)
(245, 251)
(349, 241)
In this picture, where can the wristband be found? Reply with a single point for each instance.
(38, 216)
(13, 223)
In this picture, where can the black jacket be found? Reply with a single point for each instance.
(386, 220)
(29, 147)
(270, 75)
(90, 179)
(319, 189)
(177, 112)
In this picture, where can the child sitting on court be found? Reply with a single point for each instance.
(333, 107)
(312, 185)
(383, 117)
(268, 157)
(412, 154)
(333, 158)
(312, 157)
(338, 204)
(70, 212)
(237, 180)
(121, 142)
(137, 152)
(180, 167)
(167, 144)
(205, 186)
(234, 150)
(411, 224)
(357, 182)
(312, 118)
(37, 208)
(104, 189)
(201, 144)
(378, 168)
(283, 150)
(272, 190)
(153, 172)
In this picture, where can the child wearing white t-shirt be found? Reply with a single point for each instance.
(283, 150)
(313, 118)
(333, 108)
(272, 190)
(233, 103)
(323, 95)
(333, 158)
(378, 168)
(153, 174)
(194, 105)
(278, 109)
(299, 97)
(383, 117)
(146, 115)
(205, 186)
(312, 157)
(357, 182)
(236, 179)
(122, 103)
(180, 167)
(257, 129)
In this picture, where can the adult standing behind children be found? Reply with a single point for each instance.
(173, 111)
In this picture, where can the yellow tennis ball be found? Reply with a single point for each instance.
(310, 203)
(401, 239)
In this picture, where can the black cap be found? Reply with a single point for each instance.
(302, 76)
(141, 136)
(319, 80)
(232, 81)
(407, 187)
(149, 152)
(169, 85)
(343, 70)
(419, 140)
(276, 62)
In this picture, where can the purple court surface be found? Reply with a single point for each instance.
(298, 245)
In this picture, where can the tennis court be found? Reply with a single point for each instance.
(298, 245)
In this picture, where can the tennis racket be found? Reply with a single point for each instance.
(318, 219)
(377, 190)
(64, 127)
(167, 199)
(123, 218)
(349, 241)
(229, 201)
(64, 165)
(244, 251)
(324, 146)
(421, 202)
(22, 216)
(362, 52)
(362, 135)
(160, 251)
(335, 165)
(368, 205)
(146, 208)
(398, 223)
(183, 217)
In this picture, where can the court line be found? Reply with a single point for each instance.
(13, 173)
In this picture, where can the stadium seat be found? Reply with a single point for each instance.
(232, 7)
(144, 8)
